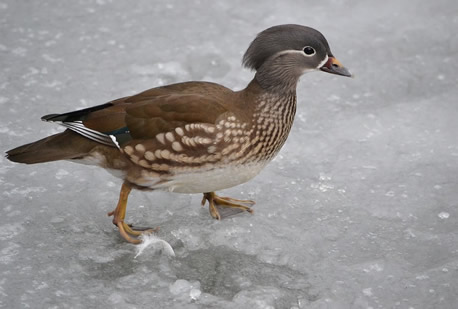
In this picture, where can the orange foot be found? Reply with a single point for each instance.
(119, 214)
(216, 201)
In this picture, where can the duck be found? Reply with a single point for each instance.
(193, 137)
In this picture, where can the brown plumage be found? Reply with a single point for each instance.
(62, 146)
(194, 137)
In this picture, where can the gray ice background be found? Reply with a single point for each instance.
(359, 210)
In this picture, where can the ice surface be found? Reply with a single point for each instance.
(359, 210)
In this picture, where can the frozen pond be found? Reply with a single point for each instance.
(359, 210)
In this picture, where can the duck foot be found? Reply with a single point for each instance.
(126, 230)
(222, 207)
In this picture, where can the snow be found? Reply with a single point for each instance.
(359, 210)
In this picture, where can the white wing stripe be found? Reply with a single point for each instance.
(78, 127)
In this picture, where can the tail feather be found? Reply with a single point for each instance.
(62, 146)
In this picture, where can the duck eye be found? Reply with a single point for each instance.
(309, 51)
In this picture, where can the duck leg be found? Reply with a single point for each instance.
(216, 201)
(120, 213)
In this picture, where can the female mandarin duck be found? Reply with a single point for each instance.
(193, 137)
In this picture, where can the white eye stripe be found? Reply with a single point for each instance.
(302, 53)
(289, 51)
(295, 51)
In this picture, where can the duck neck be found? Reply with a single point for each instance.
(262, 97)
(276, 76)
(271, 118)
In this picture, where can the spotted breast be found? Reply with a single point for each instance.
(194, 157)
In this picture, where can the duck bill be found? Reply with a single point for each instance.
(334, 66)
